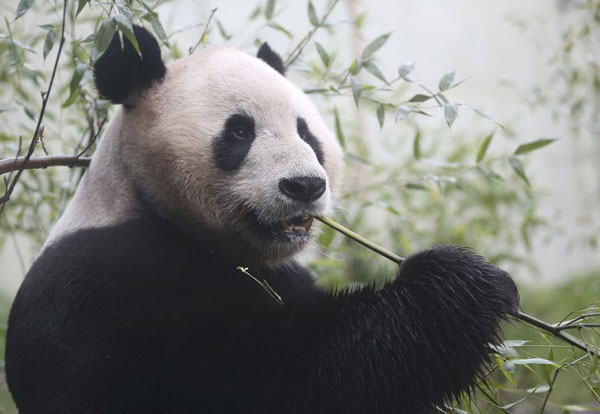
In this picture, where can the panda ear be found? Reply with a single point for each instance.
(121, 71)
(273, 59)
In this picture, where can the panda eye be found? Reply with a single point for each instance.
(241, 133)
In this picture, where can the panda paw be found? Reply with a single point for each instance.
(458, 279)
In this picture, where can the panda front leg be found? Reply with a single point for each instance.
(420, 341)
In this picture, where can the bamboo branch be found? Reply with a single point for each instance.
(554, 330)
(295, 54)
(23, 163)
(204, 32)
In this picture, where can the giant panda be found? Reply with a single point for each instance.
(136, 303)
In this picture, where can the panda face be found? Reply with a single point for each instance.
(226, 146)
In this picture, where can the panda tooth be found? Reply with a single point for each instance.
(307, 223)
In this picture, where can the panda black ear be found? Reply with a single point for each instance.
(273, 59)
(121, 71)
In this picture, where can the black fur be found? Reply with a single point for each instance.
(310, 139)
(231, 147)
(273, 59)
(141, 318)
(120, 71)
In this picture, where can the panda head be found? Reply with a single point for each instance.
(221, 144)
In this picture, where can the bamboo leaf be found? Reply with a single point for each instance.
(312, 14)
(103, 37)
(49, 41)
(374, 70)
(446, 81)
(80, 6)
(126, 27)
(518, 167)
(417, 145)
(23, 7)
(356, 89)
(534, 145)
(419, 98)
(450, 113)
(374, 46)
(484, 147)
(339, 133)
(405, 69)
(323, 54)
(270, 9)
(380, 114)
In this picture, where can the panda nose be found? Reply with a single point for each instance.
(305, 189)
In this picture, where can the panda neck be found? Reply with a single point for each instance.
(106, 195)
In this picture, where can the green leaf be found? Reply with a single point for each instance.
(405, 69)
(281, 29)
(49, 41)
(484, 146)
(312, 14)
(222, 31)
(255, 13)
(323, 54)
(29, 111)
(419, 98)
(124, 10)
(417, 145)
(80, 6)
(374, 46)
(528, 361)
(159, 30)
(518, 167)
(339, 133)
(356, 89)
(355, 67)
(533, 145)
(374, 70)
(381, 114)
(450, 113)
(402, 112)
(103, 37)
(270, 9)
(446, 81)
(126, 27)
(23, 7)
(416, 186)
(75, 83)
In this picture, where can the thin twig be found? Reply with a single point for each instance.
(359, 239)
(38, 133)
(212, 13)
(264, 284)
(546, 327)
(551, 387)
(295, 54)
(93, 139)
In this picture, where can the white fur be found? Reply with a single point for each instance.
(162, 147)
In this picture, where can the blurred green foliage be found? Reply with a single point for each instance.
(419, 179)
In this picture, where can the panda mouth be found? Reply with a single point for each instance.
(298, 225)
(292, 229)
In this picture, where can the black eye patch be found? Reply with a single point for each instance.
(232, 145)
(310, 139)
